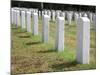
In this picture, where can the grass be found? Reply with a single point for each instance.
(30, 55)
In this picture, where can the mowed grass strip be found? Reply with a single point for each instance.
(30, 55)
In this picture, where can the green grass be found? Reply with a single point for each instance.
(30, 55)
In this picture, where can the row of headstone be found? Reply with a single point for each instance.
(83, 38)
(83, 30)
(68, 15)
(15, 10)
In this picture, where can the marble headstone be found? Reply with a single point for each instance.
(35, 24)
(59, 41)
(83, 40)
(23, 19)
(45, 28)
(28, 21)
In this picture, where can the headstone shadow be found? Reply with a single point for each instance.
(66, 24)
(47, 51)
(24, 36)
(61, 66)
(32, 43)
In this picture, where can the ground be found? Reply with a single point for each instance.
(30, 55)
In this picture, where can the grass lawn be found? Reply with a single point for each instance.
(30, 55)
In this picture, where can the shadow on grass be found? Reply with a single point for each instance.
(66, 24)
(24, 36)
(52, 21)
(20, 32)
(93, 29)
(32, 43)
(61, 66)
(47, 51)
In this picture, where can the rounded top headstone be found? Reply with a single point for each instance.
(63, 14)
(29, 12)
(69, 13)
(85, 15)
(80, 15)
(84, 19)
(46, 16)
(23, 11)
(35, 13)
(61, 18)
(76, 14)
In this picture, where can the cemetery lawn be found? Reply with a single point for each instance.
(30, 55)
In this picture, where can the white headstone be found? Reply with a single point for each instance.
(35, 24)
(80, 15)
(94, 20)
(18, 17)
(45, 28)
(45, 12)
(90, 16)
(59, 43)
(76, 17)
(53, 15)
(49, 13)
(28, 19)
(69, 17)
(36, 10)
(63, 14)
(12, 16)
(15, 17)
(83, 40)
(39, 14)
(85, 15)
(23, 20)
(57, 14)
(42, 13)
(30, 9)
